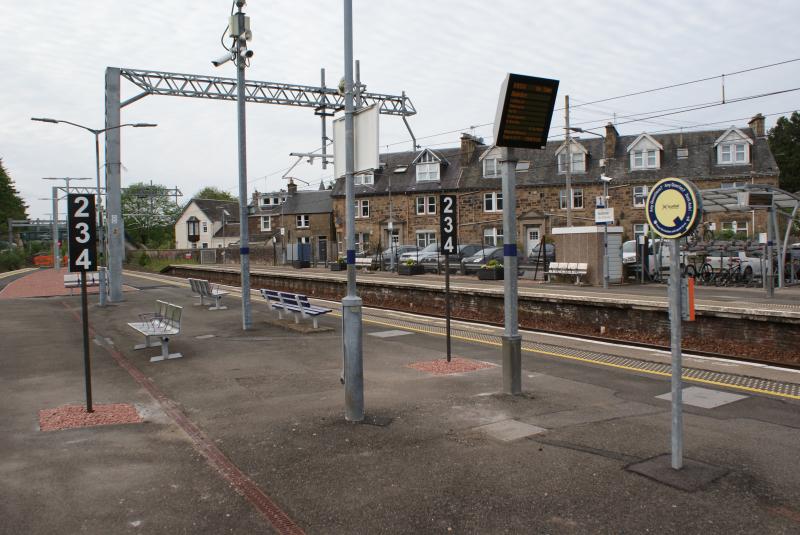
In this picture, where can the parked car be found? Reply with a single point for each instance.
(397, 251)
(471, 264)
(538, 255)
(435, 261)
(420, 253)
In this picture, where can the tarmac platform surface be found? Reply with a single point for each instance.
(246, 434)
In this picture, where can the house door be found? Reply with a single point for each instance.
(532, 238)
(322, 246)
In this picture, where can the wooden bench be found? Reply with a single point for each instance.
(161, 324)
(366, 262)
(569, 269)
(73, 280)
(296, 304)
(204, 290)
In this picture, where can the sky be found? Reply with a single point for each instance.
(449, 56)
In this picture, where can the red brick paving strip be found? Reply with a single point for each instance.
(242, 484)
(73, 416)
(456, 365)
(44, 283)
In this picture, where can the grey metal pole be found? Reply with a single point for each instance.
(10, 232)
(322, 115)
(56, 248)
(116, 225)
(675, 343)
(351, 304)
(512, 341)
(770, 280)
(100, 230)
(781, 253)
(605, 239)
(244, 234)
(568, 160)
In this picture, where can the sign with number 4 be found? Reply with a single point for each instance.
(82, 230)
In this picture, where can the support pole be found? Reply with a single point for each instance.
(351, 304)
(781, 252)
(244, 233)
(116, 226)
(605, 239)
(770, 279)
(87, 369)
(675, 343)
(56, 248)
(512, 341)
(101, 235)
(568, 159)
(447, 302)
(322, 116)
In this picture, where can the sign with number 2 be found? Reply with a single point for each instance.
(82, 230)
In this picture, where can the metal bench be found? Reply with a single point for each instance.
(296, 304)
(204, 290)
(73, 280)
(161, 324)
(569, 269)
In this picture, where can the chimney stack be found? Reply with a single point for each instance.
(291, 187)
(468, 145)
(611, 141)
(757, 124)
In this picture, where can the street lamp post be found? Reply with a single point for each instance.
(101, 235)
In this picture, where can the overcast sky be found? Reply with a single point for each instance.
(449, 56)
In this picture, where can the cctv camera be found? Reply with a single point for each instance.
(247, 54)
(605, 178)
(222, 60)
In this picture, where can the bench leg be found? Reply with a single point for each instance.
(217, 301)
(296, 317)
(165, 354)
(315, 322)
(147, 343)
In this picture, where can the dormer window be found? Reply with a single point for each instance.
(428, 167)
(193, 229)
(578, 156)
(491, 168)
(645, 153)
(733, 147)
(272, 200)
(362, 179)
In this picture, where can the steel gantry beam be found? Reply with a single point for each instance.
(215, 87)
(322, 99)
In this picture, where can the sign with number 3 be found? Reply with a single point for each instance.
(82, 230)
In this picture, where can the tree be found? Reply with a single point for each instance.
(784, 142)
(11, 204)
(149, 214)
(211, 192)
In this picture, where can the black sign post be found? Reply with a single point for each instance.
(448, 230)
(82, 230)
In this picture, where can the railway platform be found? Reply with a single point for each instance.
(246, 433)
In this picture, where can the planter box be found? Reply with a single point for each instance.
(301, 264)
(491, 274)
(415, 269)
(338, 267)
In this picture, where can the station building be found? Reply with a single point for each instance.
(399, 200)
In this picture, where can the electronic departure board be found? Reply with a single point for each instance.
(524, 111)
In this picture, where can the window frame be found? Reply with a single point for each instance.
(645, 159)
(360, 179)
(643, 196)
(495, 173)
(493, 237)
(302, 218)
(269, 223)
(494, 200)
(561, 161)
(362, 209)
(562, 196)
(427, 203)
(731, 150)
(429, 237)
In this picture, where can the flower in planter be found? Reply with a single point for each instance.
(410, 262)
(341, 260)
(492, 264)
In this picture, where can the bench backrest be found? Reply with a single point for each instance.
(203, 287)
(290, 299)
(270, 295)
(582, 267)
(555, 266)
(170, 314)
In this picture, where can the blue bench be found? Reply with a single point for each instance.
(296, 304)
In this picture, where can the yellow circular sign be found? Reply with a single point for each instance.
(673, 207)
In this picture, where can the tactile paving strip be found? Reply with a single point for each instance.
(729, 380)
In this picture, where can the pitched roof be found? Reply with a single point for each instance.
(543, 169)
(309, 202)
(213, 209)
(230, 230)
